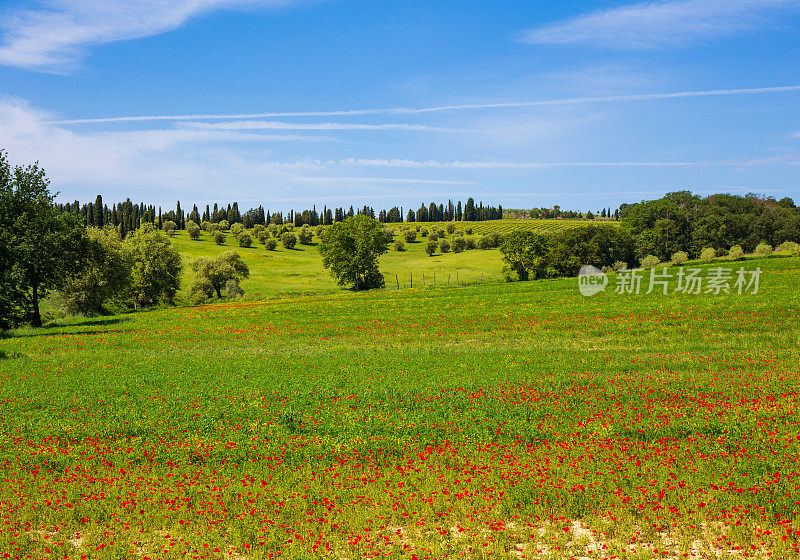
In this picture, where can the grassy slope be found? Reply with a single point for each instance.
(299, 271)
(336, 421)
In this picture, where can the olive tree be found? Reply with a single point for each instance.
(214, 274)
(156, 266)
(40, 247)
(350, 250)
(525, 254)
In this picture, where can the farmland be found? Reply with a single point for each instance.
(496, 420)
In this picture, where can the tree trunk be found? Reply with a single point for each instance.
(37, 317)
(219, 295)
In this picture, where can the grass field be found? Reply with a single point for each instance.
(497, 420)
(299, 271)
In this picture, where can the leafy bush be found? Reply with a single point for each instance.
(444, 246)
(433, 236)
(763, 250)
(270, 244)
(680, 257)
(245, 240)
(205, 225)
(219, 237)
(424, 232)
(193, 229)
(233, 289)
(399, 245)
(525, 255)
(619, 265)
(451, 227)
(212, 274)
(156, 266)
(736, 252)
(430, 248)
(168, 227)
(257, 230)
(237, 229)
(484, 242)
(263, 235)
(304, 236)
(788, 248)
(289, 240)
(459, 244)
(469, 243)
(468, 230)
(708, 254)
(650, 261)
(410, 235)
(223, 224)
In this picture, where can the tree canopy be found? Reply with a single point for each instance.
(213, 274)
(350, 250)
(156, 266)
(40, 246)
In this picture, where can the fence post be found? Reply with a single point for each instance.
(396, 279)
(434, 279)
(412, 279)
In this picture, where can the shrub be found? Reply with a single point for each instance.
(459, 244)
(168, 227)
(156, 266)
(650, 261)
(289, 240)
(237, 229)
(451, 228)
(680, 257)
(496, 238)
(233, 289)
(736, 252)
(304, 236)
(223, 224)
(469, 243)
(619, 265)
(444, 245)
(484, 242)
(430, 248)
(270, 244)
(219, 237)
(263, 235)
(212, 274)
(424, 232)
(410, 235)
(389, 233)
(245, 240)
(788, 248)
(194, 230)
(708, 254)
(350, 250)
(433, 236)
(399, 245)
(273, 229)
(763, 250)
(318, 231)
(468, 230)
(205, 225)
(257, 229)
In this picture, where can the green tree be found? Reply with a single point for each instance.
(430, 247)
(350, 250)
(214, 274)
(289, 240)
(105, 276)
(525, 253)
(156, 266)
(40, 247)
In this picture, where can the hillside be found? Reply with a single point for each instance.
(299, 271)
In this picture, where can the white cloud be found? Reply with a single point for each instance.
(54, 37)
(327, 126)
(657, 24)
(438, 108)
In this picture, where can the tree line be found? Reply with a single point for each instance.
(128, 216)
(676, 227)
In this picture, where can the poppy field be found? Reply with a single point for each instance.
(503, 420)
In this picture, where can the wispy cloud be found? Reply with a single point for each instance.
(658, 24)
(55, 36)
(326, 126)
(438, 108)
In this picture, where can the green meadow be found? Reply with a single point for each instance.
(493, 420)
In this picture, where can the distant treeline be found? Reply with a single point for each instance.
(128, 216)
(682, 221)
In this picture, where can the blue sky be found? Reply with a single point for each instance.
(338, 102)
